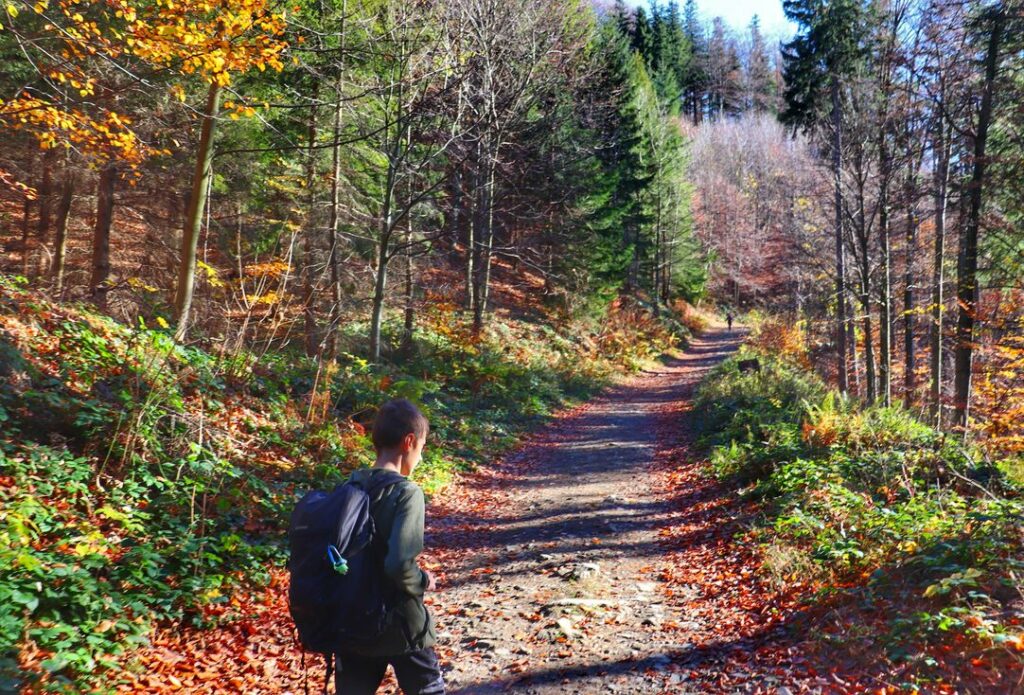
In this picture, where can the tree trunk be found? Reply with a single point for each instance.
(967, 275)
(941, 201)
(870, 378)
(26, 233)
(379, 286)
(851, 340)
(308, 242)
(487, 247)
(455, 205)
(60, 242)
(194, 218)
(885, 287)
(45, 198)
(473, 229)
(837, 143)
(101, 234)
(383, 257)
(909, 308)
(333, 226)
(410, 310)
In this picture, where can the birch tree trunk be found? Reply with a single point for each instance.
(60, 242)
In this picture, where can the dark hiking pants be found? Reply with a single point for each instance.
(418, 673)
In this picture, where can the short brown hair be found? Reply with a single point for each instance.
(395, 420)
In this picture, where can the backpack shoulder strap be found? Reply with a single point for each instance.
(380, 481)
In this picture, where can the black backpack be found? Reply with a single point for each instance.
(337, 596)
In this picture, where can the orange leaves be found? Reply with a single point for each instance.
(781, 338)
(104, 136)
(998, 405)
(823, 432)
(210, 39)
(9, 182)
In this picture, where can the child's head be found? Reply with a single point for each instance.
(400, 430)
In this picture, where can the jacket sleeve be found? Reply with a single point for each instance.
(406, 542)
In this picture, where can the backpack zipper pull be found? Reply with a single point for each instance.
(334, 557)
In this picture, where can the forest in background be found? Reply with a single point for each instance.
(272, 171)
(231, 227)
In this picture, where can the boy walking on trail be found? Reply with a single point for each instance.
(399, 433)
(728, 317)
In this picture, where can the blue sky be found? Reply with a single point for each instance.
(738, 13)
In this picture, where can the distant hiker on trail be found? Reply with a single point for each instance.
(365, 576)
(728, 318)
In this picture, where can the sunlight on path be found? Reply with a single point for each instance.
(552, 584)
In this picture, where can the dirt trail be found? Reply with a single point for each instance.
(554, 564)
(597, 558)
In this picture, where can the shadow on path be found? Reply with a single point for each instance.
(578, 494)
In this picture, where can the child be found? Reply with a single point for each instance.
(728, 317)
(399, 433)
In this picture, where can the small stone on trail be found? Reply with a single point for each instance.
(584, 570)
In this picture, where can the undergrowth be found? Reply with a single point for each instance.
(871, 504)
(143, 481)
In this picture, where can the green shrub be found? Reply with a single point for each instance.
(850, 492)
(143, 481)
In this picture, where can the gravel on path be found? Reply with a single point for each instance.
(553, 560)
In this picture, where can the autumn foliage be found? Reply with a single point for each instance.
(867, 501)
(210, 39)
(782, 338)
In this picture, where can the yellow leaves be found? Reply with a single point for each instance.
(236, 110)
(137, 284)
(270, 269)
(908, 547)
(12, 10)
(212, 276)
(178, 92)
(214, 40)
(92, 544)
(41, 7)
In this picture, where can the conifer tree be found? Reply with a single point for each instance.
(696, 72)
(817, 62)
(760, 88)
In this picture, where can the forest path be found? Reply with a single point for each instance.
(555, 573)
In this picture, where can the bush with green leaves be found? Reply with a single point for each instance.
(851, 491)
(143, 481)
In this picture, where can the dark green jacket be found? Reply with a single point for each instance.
(398, 517)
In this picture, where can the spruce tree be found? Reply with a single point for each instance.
(761, 90)
(816, 64)
(695, 77)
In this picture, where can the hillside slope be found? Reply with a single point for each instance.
(143, 482)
